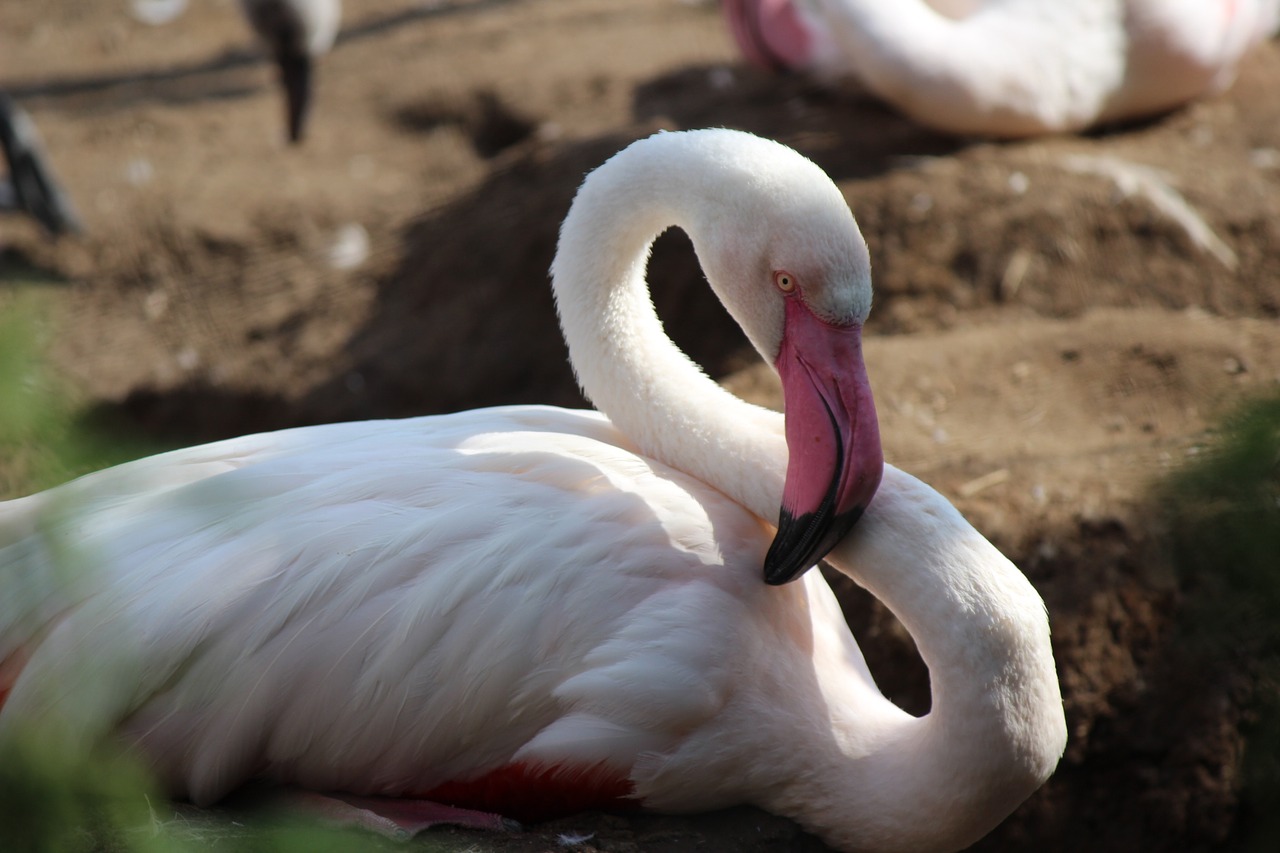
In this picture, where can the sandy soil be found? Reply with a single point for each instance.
(1057, 321)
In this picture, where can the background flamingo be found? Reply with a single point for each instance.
(1010, 67)
(296, 32)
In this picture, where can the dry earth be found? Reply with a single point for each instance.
(1057, 321)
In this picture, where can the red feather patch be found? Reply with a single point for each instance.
(526, 793)
(530, 794)
(10, 668)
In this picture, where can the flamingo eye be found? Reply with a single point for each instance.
(784, 281)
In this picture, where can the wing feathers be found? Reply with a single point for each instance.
(380, 607)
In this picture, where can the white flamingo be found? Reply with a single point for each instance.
(536, 610)
(296, 32)
(1010, 67)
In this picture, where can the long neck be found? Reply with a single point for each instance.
(625, 362)
(996, 728)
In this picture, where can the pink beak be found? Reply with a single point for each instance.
(769, 33)
(833, 440)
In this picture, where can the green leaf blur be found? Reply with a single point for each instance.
(1223, 514)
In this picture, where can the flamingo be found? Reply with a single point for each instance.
(1010, 68)
(296, 32)
(531, 610)
(31, 187)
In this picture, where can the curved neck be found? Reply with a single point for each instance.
(996, 728)
(624, 360)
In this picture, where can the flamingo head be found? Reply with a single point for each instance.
(771, 33)
(833, 438)
(780, 247)
(792, 267)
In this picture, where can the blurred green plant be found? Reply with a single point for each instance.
(1223, 514)
(57, 798)
(53, 799)
(58, 794)
(46, 434)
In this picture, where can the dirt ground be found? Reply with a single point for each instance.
(1057, 321)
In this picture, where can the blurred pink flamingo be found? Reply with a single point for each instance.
(1010, 68)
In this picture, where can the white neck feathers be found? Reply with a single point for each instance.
(996, 729)
(624, 360)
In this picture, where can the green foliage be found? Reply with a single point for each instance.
(1225, 532)
(1224, 514)
(45, 435)
(58, 794)
(52, 798)
(58, 797)
(21, 410)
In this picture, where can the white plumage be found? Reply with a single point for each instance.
(389, 606)
(1011, 67)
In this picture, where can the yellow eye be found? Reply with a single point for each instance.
(784, 281)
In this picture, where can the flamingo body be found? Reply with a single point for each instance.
(538, 609)
(1010, 67)
(373, 563)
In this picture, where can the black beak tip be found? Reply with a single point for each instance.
(802, 542)
(778, 574)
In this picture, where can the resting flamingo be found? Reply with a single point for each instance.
(533, 610)
(1010, 68)
(296, 32)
